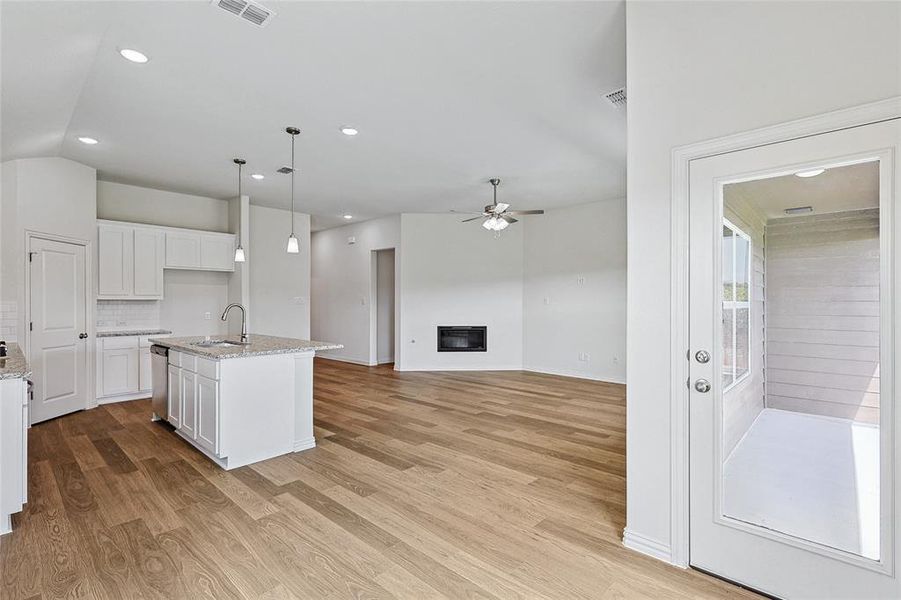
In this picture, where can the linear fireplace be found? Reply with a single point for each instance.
(467, 338)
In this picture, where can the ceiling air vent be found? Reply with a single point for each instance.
(248, 10)
(617, 97)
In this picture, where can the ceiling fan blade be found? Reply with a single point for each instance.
(526, 212)
(500, 207)
(472, 219)
(506, 217)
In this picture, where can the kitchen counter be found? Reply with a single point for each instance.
(260, 345)
(14, 366)
(131, 332)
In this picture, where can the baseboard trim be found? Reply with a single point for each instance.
(344, 359)
(123, 398)
(647, 546)
(438, 368)
(304, 444)
(575, 375)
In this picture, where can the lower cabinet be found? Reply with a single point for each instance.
(13, 449)
(194, 399)
(124, 370)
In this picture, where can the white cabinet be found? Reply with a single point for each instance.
(115, 264)
(205, 251)
(182, 250)
(148, 263)
(208, 414)
(174, 396)
(188, 403)
(124, 368)
(13, 449)
(130, 262)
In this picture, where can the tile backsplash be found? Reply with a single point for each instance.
(132, 314)
(8, 314)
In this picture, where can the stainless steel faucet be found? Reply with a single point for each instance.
(244, 336)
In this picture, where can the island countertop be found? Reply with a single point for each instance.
(260, 345)
(13, 366)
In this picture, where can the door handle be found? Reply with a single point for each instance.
(82, 336)
(702, 385)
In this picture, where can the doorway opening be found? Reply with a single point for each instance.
(801, 355)
(384, 307)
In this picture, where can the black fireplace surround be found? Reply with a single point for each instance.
(465, 338)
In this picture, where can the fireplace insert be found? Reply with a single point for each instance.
(462, 338)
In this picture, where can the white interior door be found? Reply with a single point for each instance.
(793, 461)
(58, 328)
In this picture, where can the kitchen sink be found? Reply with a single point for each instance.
(219, 344)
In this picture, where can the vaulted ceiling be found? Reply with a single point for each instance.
(445, 95)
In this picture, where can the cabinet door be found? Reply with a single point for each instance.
(188, 404)
(119, 371)
(208, 413)
(145, 375)
(148, 263)
(182, 250)
(217, 252)
(12, 475)
(115, 262)
(174, 396)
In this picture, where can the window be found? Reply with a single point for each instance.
(736, 304)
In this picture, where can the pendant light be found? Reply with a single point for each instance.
(239, 249)
(293, 246)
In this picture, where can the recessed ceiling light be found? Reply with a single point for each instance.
(87, 140)
(258, 176)
(133, 55)
(349, 131)
(811, 173)
(348, 216)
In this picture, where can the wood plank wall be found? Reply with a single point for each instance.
(823, 314)
(743, 402)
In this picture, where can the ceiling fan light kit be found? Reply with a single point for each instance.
(497, 217)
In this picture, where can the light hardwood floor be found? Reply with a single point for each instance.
(423, 485)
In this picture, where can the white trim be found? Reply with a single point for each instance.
(124, 398)
(575, 375)
(647, 546)
(681, 157)
(353, 361)
(304, 444)
(439, 368)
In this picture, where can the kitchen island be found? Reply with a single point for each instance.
(241, 402)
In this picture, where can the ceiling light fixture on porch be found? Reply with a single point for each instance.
(293, 246)
(239, 249)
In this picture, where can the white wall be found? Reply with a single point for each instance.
(385, 287)
(279, 282)
(120, 202)
(189, 296)
(574, 293)
(46, 195)
(454, 273)
(698, 70)
(342, 284)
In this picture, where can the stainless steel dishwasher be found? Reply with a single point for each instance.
(159, 367)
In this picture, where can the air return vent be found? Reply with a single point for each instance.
(247, 10)
(617, 97)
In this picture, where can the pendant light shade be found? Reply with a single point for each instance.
(239, 249)
(293, 246)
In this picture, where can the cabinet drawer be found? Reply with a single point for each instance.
(174, 358)
(208, 368)
(189, 362)
(123, 342)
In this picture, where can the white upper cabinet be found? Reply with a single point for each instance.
(116, 261)
(148, 263)
(131, 257)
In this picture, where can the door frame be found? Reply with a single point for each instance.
(681, 158)
(89, 292)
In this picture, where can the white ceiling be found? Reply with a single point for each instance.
(851, 187)
(445, 95)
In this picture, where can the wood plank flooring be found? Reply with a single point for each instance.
(423, 485)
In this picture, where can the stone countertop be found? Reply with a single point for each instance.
(260, 345)
(129, 332)
(13, 366)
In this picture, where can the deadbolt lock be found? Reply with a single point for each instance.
(702, 356)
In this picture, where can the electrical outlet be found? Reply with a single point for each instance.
(584, 356)
(616, 360)
(207, 315)
(299, 300)
(580, 280)
(547, 300)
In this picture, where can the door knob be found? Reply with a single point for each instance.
(702, 385)
(82, 336)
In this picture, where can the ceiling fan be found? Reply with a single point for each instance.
(497, 217)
